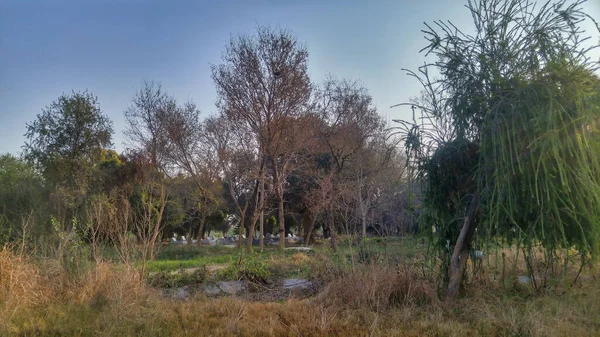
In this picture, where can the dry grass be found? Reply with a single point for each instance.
(300, 259)
(119, 286)
(21, 283)
(378, 288)
(41, 299)
(27, 287)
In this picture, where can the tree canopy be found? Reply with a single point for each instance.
(522, 100)
(69, 134)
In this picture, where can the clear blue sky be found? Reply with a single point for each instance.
(109, 46)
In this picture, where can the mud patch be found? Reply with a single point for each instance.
(180, 293)
(297, 284)
(224, 288)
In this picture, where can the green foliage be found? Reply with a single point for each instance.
(71, 251)
(542, 164)
(65, 142)
(111, 172)
(170, 279)
(216, 221)
(191, 256)
(522, 102)
(6, 230)
(247, 267)
(367, 254)
(21, 197)
(67, 136)
(173, 216)
(290, 223)
(451, 182)
(270, 225)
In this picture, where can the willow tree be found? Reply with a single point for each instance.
(523, 101)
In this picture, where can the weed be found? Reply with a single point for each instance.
(175, 279)
(377, 288)
(40, 297)
(248, 268)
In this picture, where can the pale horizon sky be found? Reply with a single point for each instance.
(51, 47)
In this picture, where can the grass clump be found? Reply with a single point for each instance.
(41, 297)
(179, 278)
(378, 288)
(248, 267)
(22, 285)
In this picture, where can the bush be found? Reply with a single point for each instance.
(21, 283)
(72, 251)
(26, 286)
(248, 268)
(377, 288)
(169, 279)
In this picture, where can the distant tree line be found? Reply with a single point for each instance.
(282, 154)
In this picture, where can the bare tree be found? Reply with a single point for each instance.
(145, 115)
(242, 169)
(369, 166)
(122, 236)
(188, 151)
(100, 218)
(317, 200)
(350, 119)
(349, 122)
(147, 219)
(263, 83)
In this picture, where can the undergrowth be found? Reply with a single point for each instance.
(247, 267)
(39, 297)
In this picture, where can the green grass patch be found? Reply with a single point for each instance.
(175, 257)
(248, 267)
(168, 279)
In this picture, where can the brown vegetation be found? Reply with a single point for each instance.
(42, 298)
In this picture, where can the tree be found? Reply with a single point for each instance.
(350, 122)
(145, 122)
(189, 151)
(367, 169)
(522, 100)
(350, 119)
(147, 217)
(262, 83)
(65, 142)
(70, 133)
(234, 146)
(184, 191)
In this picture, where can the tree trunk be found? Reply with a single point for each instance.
(241, 229)
(308, 222)
(255, 210)
(363, 220)
(361, 208)
(281, 224)
(279, 191)
(460, 254)
(261, 238)
(332, 230)
(250, 237)
(242, 212)
(202, 229)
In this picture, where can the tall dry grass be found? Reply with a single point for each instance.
(27, 286)
(378, 288)
(41, 298)
(22, 285)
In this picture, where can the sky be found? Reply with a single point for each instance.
(109, 47)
